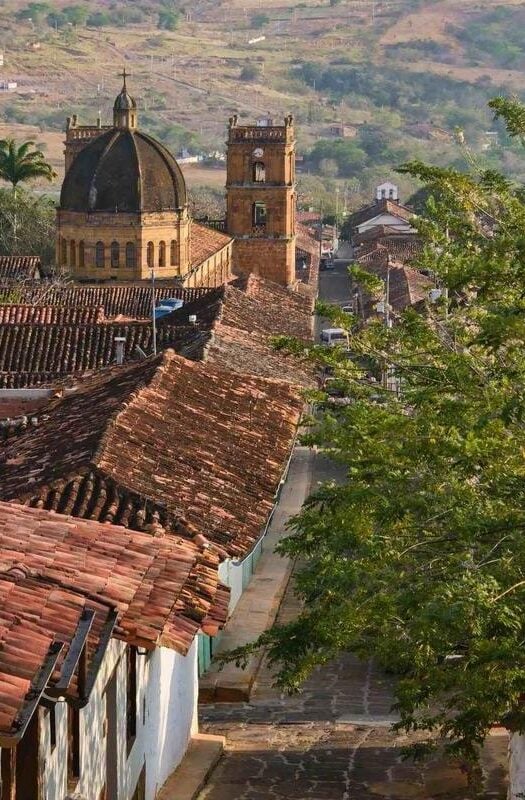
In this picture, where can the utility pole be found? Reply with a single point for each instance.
(153, 320)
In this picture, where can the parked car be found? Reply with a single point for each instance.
(348, 309)
(333, 336)
(326, 263)
(167, 306)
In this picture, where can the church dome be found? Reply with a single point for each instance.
(124, 101)
(123, 170)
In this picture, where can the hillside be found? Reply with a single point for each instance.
(401, 75)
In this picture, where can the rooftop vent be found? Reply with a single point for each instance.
(120, 342)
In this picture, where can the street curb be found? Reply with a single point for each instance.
(190, 777)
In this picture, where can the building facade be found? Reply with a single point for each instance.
(123, 208)
(261, 198)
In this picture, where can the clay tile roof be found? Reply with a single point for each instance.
(204, 242)
(242, 318)
(132, 301)
(407, 286)
(54, 567)
(19, 268)
(202, 447)
(384, 206)
(50, 315)
(40, 353)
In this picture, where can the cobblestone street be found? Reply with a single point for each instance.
(331, 742)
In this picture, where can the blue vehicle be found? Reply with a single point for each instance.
(167, 306)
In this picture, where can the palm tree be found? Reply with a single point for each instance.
(20, 164)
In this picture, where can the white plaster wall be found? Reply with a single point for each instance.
(386, 219)
(516, 767)
(167, 694)
(230, 573)
(171, 716)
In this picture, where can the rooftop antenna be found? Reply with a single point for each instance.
(153, 320)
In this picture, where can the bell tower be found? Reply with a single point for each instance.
(260, 192)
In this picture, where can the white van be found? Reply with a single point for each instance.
(332, 336)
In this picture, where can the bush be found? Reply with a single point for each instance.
(250, 72)
(98, 19)
(168, 20)
(259, 20)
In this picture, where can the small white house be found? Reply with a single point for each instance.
(98, 655)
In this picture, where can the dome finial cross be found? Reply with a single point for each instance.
(124, 75)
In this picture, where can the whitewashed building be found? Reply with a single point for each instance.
(98, 655)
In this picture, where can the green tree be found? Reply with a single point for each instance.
(168, 19)
(27, 225)
(417, 559)
(19, 164)
(259, 20)
(250, 72)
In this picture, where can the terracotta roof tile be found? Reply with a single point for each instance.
(204, 242)
(200, 447)
(53, 567)
(19, 268)
(50, 315)
(41, 354)
(129, 300)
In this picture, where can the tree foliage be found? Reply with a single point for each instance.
(417, 559)
(27, 225)
(22, 163)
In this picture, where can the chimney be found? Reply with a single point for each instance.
(192, 319)
(120, 342)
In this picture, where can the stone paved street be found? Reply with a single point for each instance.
(331, 742)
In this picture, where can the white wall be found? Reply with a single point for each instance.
(516, 767)
(386, 219)
(230, 573)
(168, 684)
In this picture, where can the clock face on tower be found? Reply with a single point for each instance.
(258, 152)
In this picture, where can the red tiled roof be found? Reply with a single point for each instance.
(45, 353)
(130, 300)
(407, 286)
(204, 242)
(16, 314)
(202, 447)
(19, 268)
(242, 317)
(384, 206)
(308, 216)
(54, 567)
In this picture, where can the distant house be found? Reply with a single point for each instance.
(386, 211)
(341, 131)
(98, 674)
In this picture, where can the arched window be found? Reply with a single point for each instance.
(63, 252)
(100, 255)
(173, 253)
(150, 255)
(81, 255)
(259, 172)
(115, 255)
(162, 254)
(131, 255)
(73, 253)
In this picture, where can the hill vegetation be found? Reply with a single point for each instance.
(398, 77)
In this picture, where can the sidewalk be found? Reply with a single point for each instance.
(259, 604)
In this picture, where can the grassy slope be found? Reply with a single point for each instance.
(191, 77)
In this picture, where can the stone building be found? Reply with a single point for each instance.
(124, 210)
(261, 198)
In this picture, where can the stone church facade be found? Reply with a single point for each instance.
(123, 208)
